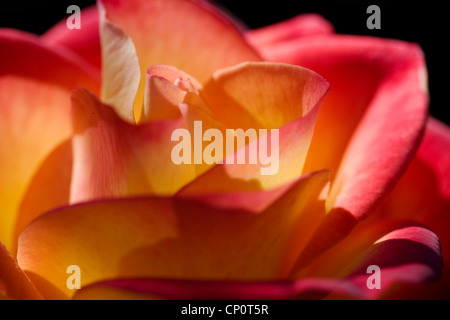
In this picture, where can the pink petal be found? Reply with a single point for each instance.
(296, 28)
(370, 124)
(423, 194)
(85, 41)
(138, 34)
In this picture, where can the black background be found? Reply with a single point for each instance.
(422, 22)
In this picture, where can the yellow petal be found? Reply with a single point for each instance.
(171, 238)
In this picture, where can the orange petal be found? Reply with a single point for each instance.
(263, 94)
(256, 96)
(14, 284)
(113, 158)
(55, 174)
(35, 116)
(183, 34)
(406, 256)
(163, 98)
(166, 88)
(171, 238)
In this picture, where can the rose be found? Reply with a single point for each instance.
(219, 235)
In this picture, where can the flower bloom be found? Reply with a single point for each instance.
(87, 177)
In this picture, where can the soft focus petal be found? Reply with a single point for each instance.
(409, 255)
(132, 289)
(14, 284)
(406, 252)
(172, 238)
(423, 194)
(183, 34)
(296, 28)
(84, 41)
(35, 114)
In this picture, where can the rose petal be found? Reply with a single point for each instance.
(163, 99)
(166, 88)
(142, 155)
(254, 96)
(170, 238)
(263, 95)
(120, 69)
(423, 194)
(372, 120)
(55, 174)
(131, 289)
(370, 124)
(35, 117)
(250, 200)
(186, 36)
(113, 158)
(295, 28)
(14, 284)
(402, 98)
(406, 255)
(85, 41)
(409, 255)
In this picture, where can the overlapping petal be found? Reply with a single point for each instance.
(254, 96)
(114, 158)
(138, 34)
(32, 91)
(55, 173)
(14, 284)
(406, 255)
(371, 121)
(370, 124)
(167, 91)
(231, 232)
(423, 194)
(176, 238)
